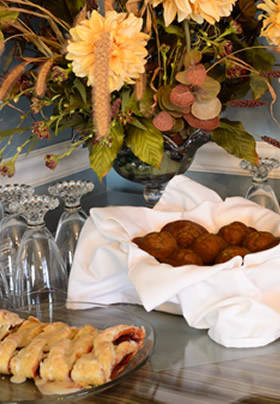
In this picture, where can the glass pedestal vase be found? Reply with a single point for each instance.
(176, 160)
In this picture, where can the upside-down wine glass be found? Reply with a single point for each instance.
(260, 191)
(5, 296)
(1, 211)
(72, 218)
(40, 274)
(12, 227)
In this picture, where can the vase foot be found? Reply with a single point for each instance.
(152, 194)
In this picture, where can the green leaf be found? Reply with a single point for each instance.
(101, 156)
(234, 91)
(135, 122)
(131, 104)
(81, 88)
(125, 100)
(11, 132)
(147, 144)
(146, 102)
(232, 137)
(76, 102)
(260, 58)
(8, 16)
(172, 29)
(258, 86)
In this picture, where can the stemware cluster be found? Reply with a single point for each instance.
(34, 265)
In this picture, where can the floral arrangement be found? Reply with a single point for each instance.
(138, 73)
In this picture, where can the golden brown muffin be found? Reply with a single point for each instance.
(183, 256)
(184, 231)
(251, 229)
(138, 241)
(234, 233)
(230, 252)
(259, 241)
(158, 244)
(208, 246)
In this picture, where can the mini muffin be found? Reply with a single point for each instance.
(208, 246)
(230, 252)
(234, 233)
(184, 231)
(259, 241)
(183, 256)
(138, 241)
(158, 244)
(251, 229)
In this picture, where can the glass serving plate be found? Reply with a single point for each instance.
(78, 314)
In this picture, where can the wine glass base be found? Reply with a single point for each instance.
(267, 200)
(260, 191)
(39, 303)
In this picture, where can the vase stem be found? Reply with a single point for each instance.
(152, 194)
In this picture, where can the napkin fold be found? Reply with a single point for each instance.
(237, 301)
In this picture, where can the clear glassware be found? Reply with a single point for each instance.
(5, 297)
(40, 274)
(1, 211)
(260, 191)
(176, 160)
(13, 193)
(12, 227)
(72, 218)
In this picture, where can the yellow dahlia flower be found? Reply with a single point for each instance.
(127, 47)
(197, 10)
(271, 21)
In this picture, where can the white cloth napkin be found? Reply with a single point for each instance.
(239, 303)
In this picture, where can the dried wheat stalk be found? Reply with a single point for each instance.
(11, 79)
(100, 91)
(108, 5)
(82, 15)
(2, 47)
(41, 83)
(140, 86)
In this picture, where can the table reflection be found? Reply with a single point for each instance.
(188, 367)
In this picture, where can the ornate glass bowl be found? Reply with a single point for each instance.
(176, 160)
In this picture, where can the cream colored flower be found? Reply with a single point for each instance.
(197, 10)
(271, 21)
(127, 47)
